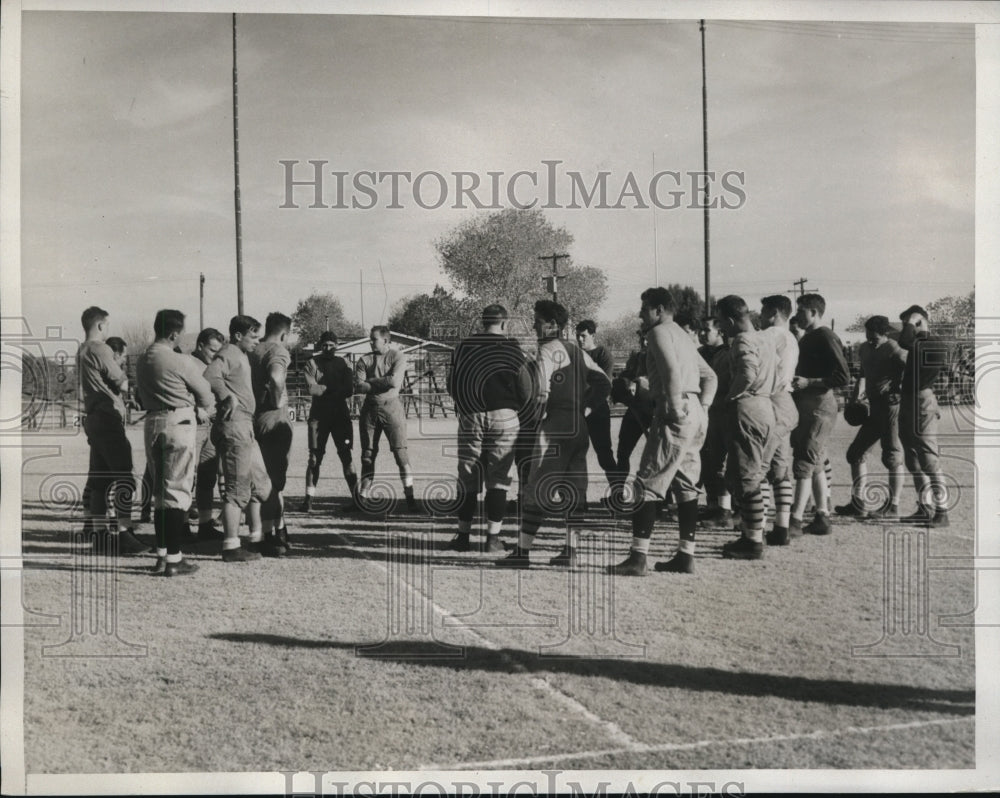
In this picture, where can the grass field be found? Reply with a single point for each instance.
(369, 647)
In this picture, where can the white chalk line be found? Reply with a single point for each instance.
(639, 748)
(612, 729)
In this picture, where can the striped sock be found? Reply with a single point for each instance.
(752, 511)
(783, 495)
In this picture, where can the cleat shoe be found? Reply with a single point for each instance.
(820, 525)
(886, 514)
(160, 567)
(720, 518)
(794, 528)
(680, 563)
(852, 510)
(633, 565)
(518, 558)
(565, 558)
(239, 555)
(180, 568)
(411, 505)
(494, 545)
(743, 549)
(129, 544)
(777, 536)
(459, 543)
(273, 547)
(919, 518)
(282, 534)
(940, 520)
(353, 506)
(210, 532)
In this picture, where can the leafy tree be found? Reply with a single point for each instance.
(955, 312)
(620, 335)
(439, 315)
(495, 258)
(319, 312)
(137, 336)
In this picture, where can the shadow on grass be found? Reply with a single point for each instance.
(656, 674)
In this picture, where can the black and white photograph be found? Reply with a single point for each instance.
(499, 398)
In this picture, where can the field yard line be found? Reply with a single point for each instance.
(820, 734)
(612, 729)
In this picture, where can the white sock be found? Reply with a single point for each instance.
(493, 527)
(230, 543)
(310, 490)
(256, 536)
(726, 502)
(640, 545)
(175, 558)
(756, 535)
(686, 546)
(161, 553)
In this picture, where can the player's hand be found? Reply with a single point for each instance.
(201, 414)
(800, 383)
(675, 417)
(643, 383)
(227, 407)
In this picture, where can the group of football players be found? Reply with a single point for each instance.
(744, 419)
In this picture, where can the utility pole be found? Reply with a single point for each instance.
(236, 192)
(552, 281)
(704, 135)
(201, 301)
(361, 288)
(801, 283)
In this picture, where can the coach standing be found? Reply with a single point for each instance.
(330, 383)
(380, 375)
(176, 396)
(490, 385)
(927, 357)
(247, 482)
(102, 381)
(821, 369)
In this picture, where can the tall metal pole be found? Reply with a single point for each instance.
(201, 302)
(236, 171)
(361, 288)
(704, 129)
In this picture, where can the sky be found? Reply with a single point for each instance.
(855, 141)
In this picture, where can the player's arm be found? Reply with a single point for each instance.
(310, 372)
(361, 384)
(665, 361)
(199, 386)
(215, 374)
(598, 382)
(745, 367)
(395, 377)
(839, 375)
(708, 383)
(111, 372)
(277, 376)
